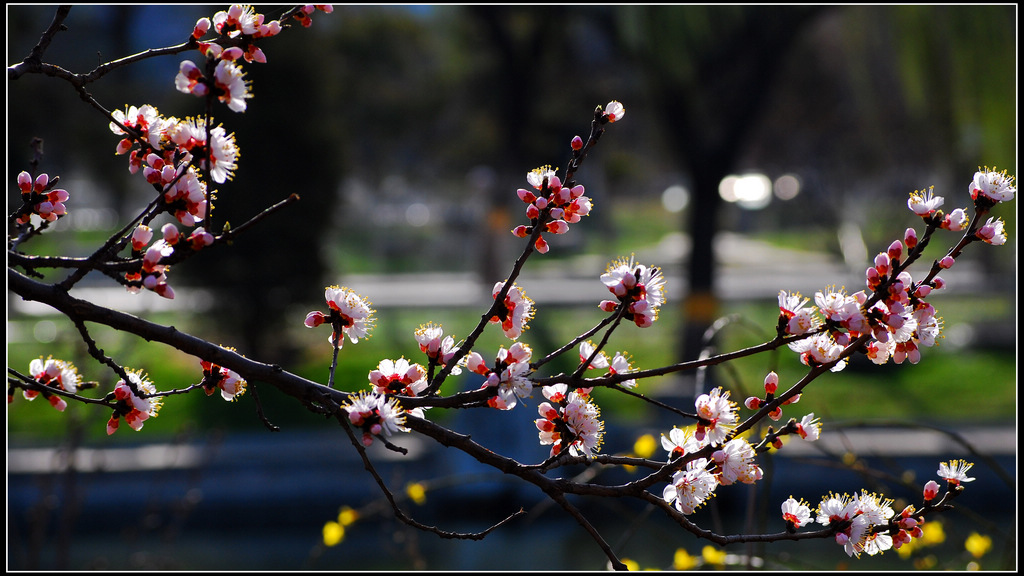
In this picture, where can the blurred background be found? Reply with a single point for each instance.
(763, 148)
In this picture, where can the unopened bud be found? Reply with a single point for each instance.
(882, 263)
(771, 382)
(946, 262)
(577, 143)
(314, 319)
(910, 238)
(895, 250)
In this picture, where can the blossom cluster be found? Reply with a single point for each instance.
(514, 313)
(569, 420)
(152, 274)
(552, 206)
(640, 289)
(509, 374)
(51, 373)
(40, 198)
(866, 522)
(733, 460)
(398, 377)
(893, 310)
(230, 383)
(348, 313)
(168, 159)
(621, 363)
(133, 408)
(375, 415)
(440, 349)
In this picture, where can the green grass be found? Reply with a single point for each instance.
(948, 385)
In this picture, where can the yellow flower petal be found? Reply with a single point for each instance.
(645, 446)
(416, 492)
(347, 516)
(713, 556)
(683, 561)
(978, 545)
(333, 533)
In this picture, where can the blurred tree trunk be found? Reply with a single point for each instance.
(710, 70)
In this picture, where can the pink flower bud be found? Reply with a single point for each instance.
(141, 236)
(946, 262)
(938, 283)
(923, 291)
(526, 196)
(314, 319)
(521, 231)
(25, 182)
(41, 181)
(233, 53)
(910, 238)
(58, 403)
(257, 55)
(541, 245)
(557, 227)
(931, 490)
(895, 250)
(776, 414)
(752, 403)
(164, 289)
(608, 305)
(771, 382)
(577, 143)
(882, 263)
(171, 234)
(202, 27)
(200, 238)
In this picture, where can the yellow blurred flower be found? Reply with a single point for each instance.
(713, 556)
(347, 516)
(333, 533)
(683, 561)
(933, 534)
(978, 545)
(416, 492)
(631, 565)
(645, 446)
